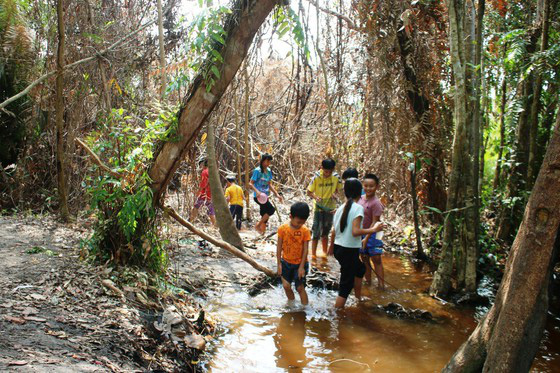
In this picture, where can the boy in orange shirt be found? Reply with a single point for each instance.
(291, 251)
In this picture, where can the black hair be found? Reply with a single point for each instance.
(203, 161)
(231, 179)
(328, 164)
(300, 210)
(350, 172)
(352, 190)
(372, 177)
(264, 157)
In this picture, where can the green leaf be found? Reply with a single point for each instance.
(434, 209)
(218, 56)
(215, 71)
(218, 38)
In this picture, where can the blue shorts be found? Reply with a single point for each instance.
(373, 247)
(290, 273)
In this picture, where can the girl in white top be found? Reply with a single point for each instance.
(347, 241)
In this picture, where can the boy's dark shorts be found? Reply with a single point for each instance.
(322, 224)
(373, 247)
(290, 273)
(266, 209)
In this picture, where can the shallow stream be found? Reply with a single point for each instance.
(267, 334)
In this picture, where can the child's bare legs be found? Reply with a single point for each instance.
(261, 225)
(325, 244)
(358, 287)
(302, 294)
(314, 244)
(288, 289)
(365, 260)
(194, 214)
(378, 266)
(340, 302)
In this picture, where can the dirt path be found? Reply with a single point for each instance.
(55, 316)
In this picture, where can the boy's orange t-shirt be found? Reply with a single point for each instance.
(292, 242)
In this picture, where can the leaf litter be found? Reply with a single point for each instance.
(57, 309)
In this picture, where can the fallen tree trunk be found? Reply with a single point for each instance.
(507, 339)
(224, 245)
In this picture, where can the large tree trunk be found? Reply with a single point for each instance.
(227, 228)
(60, 148)
(241, 27)
(508, 337)
(460, 181)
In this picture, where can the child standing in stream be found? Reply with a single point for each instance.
(323, 188)
(372, 247)
(262, 186)
(347, 241)
(291, 251)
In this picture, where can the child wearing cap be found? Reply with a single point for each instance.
(234, 195)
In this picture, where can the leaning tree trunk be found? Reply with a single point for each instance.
(223, 217)
(508, 337)
(60, 153)
(241, 27)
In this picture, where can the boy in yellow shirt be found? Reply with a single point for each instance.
(234, 195)
(291, 251)
(323, 189)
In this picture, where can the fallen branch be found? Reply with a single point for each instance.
(97, 160)
(224, 245)
(171, 212)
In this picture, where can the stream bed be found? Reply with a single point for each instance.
(266, 333)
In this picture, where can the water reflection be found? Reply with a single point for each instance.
(289, 341)
(264, 334)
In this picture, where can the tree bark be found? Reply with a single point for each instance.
(508, 337)
(502, 131)
(227, 228)
(163, 82)
(473, 223)
(60, 146)
(237, 137)
(533, 166)
(246, 146)
(417, 231)
(241, 27)
(460, 179)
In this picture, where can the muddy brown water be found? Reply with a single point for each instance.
(267, 334)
